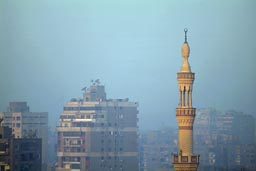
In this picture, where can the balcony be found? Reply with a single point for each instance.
(186, 75)
(194, 159)
(185, 111)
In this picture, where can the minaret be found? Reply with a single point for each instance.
(185, 160)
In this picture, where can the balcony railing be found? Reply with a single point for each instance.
(185, 159)
(186, 75)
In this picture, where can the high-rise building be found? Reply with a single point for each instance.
(185, 160)
(98, 134)
(5, 156)
(27, 124)
(19, 154)
(26, 154)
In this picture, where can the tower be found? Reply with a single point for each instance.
(185, 160)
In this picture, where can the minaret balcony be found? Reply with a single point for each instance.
(186, 75)
(185, 159)
(185, 111)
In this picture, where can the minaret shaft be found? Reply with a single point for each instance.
(185, 144)
(185, 120)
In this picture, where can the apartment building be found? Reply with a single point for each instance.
(19, 154)
(27, 124)
(96, 133)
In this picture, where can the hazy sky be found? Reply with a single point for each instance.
(50, 49)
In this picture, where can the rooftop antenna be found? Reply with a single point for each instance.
(84, 89)
(97, 81)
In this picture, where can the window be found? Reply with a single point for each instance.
(75, 166)
(121, 116)
(71, 134)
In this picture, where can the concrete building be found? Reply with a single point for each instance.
(156, 148)
(185, 160)
(206, 138)
(225, 141)
(98, 134)
(5, 155)
(26, 154)
(19, 154)
(26, 124)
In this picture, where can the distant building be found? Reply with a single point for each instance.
(26, 124)
(156, 148)
(242, 126)
(98, 134)
(19, 154)
(206, 138)
(225, 140)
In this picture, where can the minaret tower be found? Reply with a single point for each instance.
(185, 160)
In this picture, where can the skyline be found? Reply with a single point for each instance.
(50, 50)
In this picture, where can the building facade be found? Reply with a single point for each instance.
(185, 160)
(26, 154)
(96, 133)
(26, 124)
(156, 148)
(19, 154)
(5, 154)
(225, 140)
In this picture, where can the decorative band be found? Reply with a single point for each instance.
(187, 75)
(185, 112)
(186, 127)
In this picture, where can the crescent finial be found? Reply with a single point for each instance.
(185, 30)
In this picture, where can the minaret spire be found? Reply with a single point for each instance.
(186, 160)
(185, 50)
